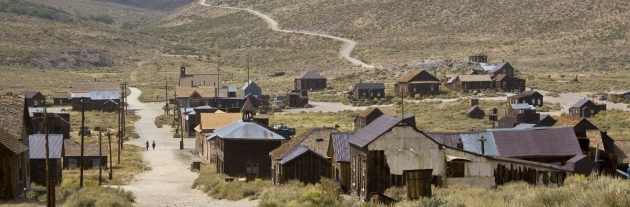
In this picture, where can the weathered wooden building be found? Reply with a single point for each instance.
(585, 109)
(198, 80)
(242, 147)
(504, 82)
(37, 150)
(304, 158)
(296, 98)
(310, 80)
(91, 157)
(475, 113)
(251, 88)
(101, 96)
(15, 127)
(386, 150)
(502, 68)
(465, 83)
(58, 122)
(622, 95)
(367, 91)
(518, 114)
(209, 123)
(61, 98)
(530, 97)
(546, 120)
(339, 152)
(35, 99)
(418, 82)
(368, 115)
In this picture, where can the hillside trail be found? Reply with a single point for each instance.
(169, 181)
(344, 52)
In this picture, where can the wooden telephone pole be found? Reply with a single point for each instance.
(50, 187)
(83, 102)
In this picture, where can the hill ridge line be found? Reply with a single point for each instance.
(344, 52)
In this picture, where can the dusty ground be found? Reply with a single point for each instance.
(168, 182)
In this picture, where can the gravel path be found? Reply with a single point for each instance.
(168, 182)
(345, 51)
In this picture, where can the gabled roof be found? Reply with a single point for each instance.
(526, 94)
(86, 87)
(204, 91)
(500, 77)
(362, 86)
(31, 94)
(501, 66)
(61, 95)
(11, 143)
(37, 146)
(12, 114)
(374, 130)
(475, 109)
(311, 75)
(340, 146)
(73, 149)
(218, 120)
(389, 110)
(581, 103)
(245, 130)
(199, 80)
(412, 74)
(573, 121)
(297, 153)
(622, 150)
(315, 139)
(249, 83)
(524, 126)
(475, 78)
(248, 106)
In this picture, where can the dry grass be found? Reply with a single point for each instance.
(214, 184)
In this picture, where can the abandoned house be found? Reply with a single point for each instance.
(530, 97)
(61, 98)
(339, 152)
(296, 98)
(622, 95)
(388, 150)
(209, 123)
(585, 109)
(280, 95)
(37, 150)
(367, 91)
(303, 158)
(465, 83)
(58, 122)
(101, 96)
(15, 127)
(475, 113)
(580, 126)
(192, 97)
(546, 120)
(517, 114)
(251, 88)
(242, 147)
(35, 99)
(417, 82)
(310, 80)
(502, 68)
(508, 83)
(368, 115)
(92, 156)
(198, 80)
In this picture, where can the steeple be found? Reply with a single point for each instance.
(248, 110)
(182, 70)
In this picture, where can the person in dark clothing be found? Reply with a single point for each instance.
(147, 145)
(153, 145)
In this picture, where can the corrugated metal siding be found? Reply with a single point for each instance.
(37, 146)
(341, 146)
(472, 144)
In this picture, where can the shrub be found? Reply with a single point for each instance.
(100, 196)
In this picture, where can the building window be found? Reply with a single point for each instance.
(414, 89)
(455, 169)
(95, 162)
(378, 94)
(432, 88)
(252, 169)
(72, 163)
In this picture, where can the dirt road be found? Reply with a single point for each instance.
(168, 182)
(345, 51)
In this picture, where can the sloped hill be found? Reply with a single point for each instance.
(163, 5)
(534, 34)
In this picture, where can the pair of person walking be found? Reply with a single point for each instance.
(153, 145)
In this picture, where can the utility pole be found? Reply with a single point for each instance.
(109, 137)
(166, 92)
(100, 155)
(83, 102)
(50, 188)
(122, 116)
(120, 112)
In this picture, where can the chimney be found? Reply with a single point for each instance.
(192, 84)
(474, 102)
(182, 71)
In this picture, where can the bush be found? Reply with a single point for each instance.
(100, 196)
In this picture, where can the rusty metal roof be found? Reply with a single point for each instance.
(245, 130)
(340, 146)
(375, 129)
(297, 153)
(11, 143)
(37, 146)
(218, 120)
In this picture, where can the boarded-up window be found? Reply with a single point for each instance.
(455, 169)
(252, 169)
(72, 163)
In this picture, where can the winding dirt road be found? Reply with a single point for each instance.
(345, 51)
(169, 180)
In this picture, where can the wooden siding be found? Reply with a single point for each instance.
(341, 173)
(87, 160)
(307, 168)
(38, 171)
(368, 94)
(9, 174)
(234, 154)
(310, 84)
